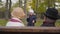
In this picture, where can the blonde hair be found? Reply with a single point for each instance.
(18, 12)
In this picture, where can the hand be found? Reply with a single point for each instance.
(33, 21)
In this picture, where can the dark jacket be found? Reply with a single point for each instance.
(47, 24)
(30, 19)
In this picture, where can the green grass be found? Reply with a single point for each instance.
(57, 23)
(38, 23)
(3, 22)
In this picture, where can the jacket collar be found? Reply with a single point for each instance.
(49, 23)
(15, 20)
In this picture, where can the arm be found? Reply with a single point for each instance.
(27, 19)
(34, 19)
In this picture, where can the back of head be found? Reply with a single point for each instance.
(18, 12)
(31, 12)
(52, 13)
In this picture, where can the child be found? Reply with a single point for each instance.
(31, 19)
(16, 16)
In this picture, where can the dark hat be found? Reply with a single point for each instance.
(52, 13)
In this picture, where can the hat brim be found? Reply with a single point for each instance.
(50, 16)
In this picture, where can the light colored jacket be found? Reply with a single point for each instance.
(16, 23)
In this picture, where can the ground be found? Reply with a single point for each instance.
(38, 23)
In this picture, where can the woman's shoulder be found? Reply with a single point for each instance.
(14, 24)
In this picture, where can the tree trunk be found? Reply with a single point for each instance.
(48, 4)
(6, 12)
(54, 3)
(10, 8)
(25, 6)
(20, 3)
(0, 0)
(51, 3)
(36, 9)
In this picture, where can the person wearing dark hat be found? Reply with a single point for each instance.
(50, 17)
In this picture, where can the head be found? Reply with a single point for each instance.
(18, 12)
(31, 12)
(51, 15)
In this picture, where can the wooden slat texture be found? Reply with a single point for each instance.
(30, 29)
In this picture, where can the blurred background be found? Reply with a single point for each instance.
(39, 7)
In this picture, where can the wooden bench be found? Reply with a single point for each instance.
(31, 29)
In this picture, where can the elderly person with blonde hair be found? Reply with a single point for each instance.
(16, 16)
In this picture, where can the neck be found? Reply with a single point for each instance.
(49, 22)
(15, 17)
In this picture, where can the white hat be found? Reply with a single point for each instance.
(31, 11)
